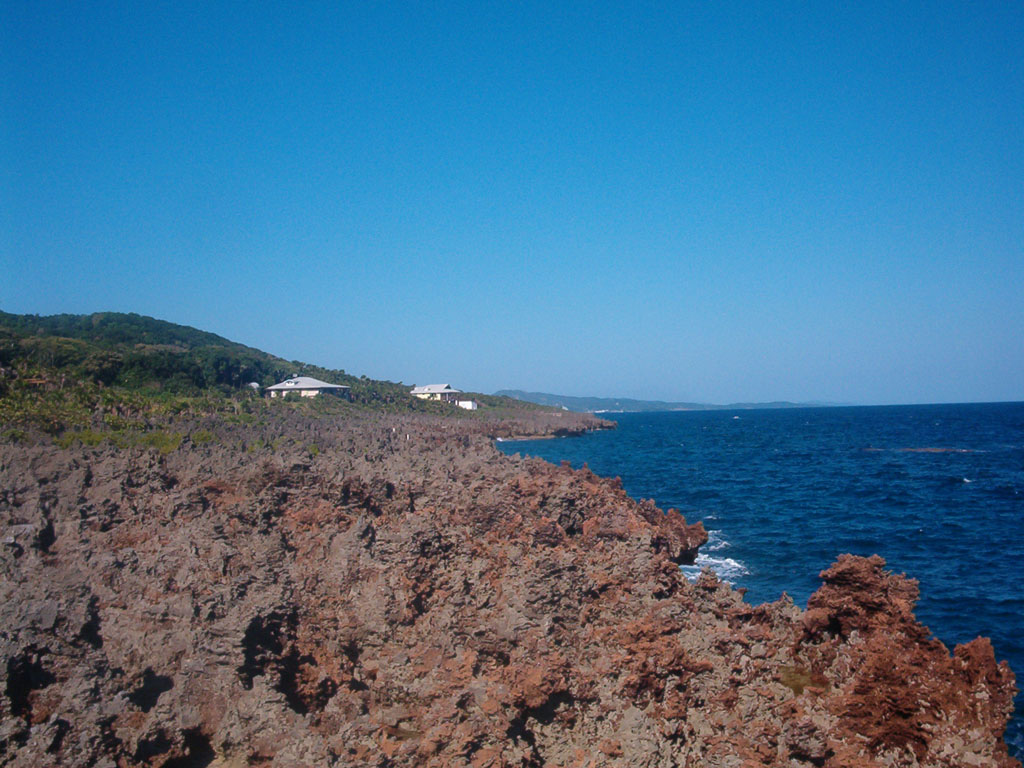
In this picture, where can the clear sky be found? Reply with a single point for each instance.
(707, 201)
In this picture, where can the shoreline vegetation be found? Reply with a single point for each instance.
(114, 373)
(375, 584)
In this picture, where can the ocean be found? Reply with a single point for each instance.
(937, 490)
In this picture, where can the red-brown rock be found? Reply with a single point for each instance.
(407, 596)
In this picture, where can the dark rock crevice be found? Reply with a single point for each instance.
(26, 673)
(149, 690)
(196, 751)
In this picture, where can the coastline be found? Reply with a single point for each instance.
(548, 426)
(393, 589)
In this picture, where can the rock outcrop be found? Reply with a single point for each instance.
(395, 592)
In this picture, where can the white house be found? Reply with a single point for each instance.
(306, 386)
(442, 392)
(469, 405)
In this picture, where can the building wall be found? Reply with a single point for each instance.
(448, 397)
(345, 394)
(299, 392)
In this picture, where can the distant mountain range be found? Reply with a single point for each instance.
(625, 404)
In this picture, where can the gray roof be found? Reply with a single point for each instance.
(306, 382)
(433, 389)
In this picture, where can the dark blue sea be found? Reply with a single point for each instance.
(937, 490)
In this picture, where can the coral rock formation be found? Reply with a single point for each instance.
(403, 594)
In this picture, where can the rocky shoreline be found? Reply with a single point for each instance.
(392, 591)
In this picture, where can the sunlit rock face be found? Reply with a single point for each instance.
(391, 591)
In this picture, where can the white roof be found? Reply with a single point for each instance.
(306, 382)
(432, 389)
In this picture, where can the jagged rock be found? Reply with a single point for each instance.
(406, 595)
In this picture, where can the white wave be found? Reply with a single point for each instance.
(727, 569)
(715, 542)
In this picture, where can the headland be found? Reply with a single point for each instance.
(390, 590)
(215, 581)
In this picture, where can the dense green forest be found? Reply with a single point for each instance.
(65, 371)
(135, 351)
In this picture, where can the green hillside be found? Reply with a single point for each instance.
(67, 371)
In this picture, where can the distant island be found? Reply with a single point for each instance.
(628, 405)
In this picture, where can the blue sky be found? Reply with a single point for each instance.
(702, 201)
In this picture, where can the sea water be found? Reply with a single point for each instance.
(937, 490)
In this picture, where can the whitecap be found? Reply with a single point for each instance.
(725, 568)
(715, 542)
